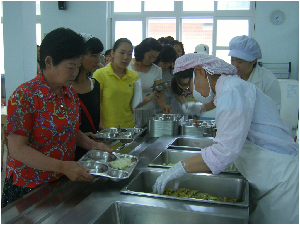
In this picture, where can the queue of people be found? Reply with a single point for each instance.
(53, 118)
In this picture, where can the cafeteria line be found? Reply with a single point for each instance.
(182, 168)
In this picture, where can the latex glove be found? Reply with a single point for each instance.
(192, 108)
(174, 172)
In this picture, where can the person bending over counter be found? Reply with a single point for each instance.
(250, 133)
(43, 121)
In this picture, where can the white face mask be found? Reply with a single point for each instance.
(198, 95)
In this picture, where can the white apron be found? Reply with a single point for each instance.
(274, 184)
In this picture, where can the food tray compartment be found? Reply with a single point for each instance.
(124, 135)
(99, 164)
(221, 185)
(167, 159)
(191, 144)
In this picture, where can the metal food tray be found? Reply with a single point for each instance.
(221, 185)
(174, 156)
(99, 164)
(124, 135)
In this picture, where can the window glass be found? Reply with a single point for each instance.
(38, 7)
(135, 36)
(223, 54)
(195, 32)
(198, 5)
(127, 6)
(159, 6)
(161, 28)
(233, 5)
(227, 29)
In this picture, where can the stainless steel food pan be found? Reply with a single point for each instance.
(130, 213)
(193, 130)
(220, 185)
(99, 164)
(164, 124)
(165, 158)
(168, 158)
(186, 143)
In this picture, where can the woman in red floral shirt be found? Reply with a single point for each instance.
(43, 121)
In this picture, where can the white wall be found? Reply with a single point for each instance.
(279, 43)
(19, 43)
(80, 16)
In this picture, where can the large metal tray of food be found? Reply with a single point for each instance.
(169, 158)
(112, 165)
(124, 135)
(191, 144)
(225, 186)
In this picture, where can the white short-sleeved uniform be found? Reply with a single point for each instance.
(267, 82)
(251, 134)
(143, 113)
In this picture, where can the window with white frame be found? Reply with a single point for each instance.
(213, 23)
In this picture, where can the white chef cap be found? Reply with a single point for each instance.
(86, 36)
(245, 48)
(202, 49)
(212, 64)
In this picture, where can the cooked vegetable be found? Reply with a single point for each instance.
(187, 193)
(122, 164)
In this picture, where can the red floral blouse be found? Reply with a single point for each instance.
(51, 122)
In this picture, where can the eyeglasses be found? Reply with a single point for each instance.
(186, 86)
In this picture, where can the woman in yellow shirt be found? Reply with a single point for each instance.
(116, 84)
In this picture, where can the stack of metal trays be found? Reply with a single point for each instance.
(205, 128)
(124, 135)
(164, 124)
(99, 163)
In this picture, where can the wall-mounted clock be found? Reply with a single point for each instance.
(277, 17)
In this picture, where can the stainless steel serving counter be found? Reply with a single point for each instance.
(100, 200)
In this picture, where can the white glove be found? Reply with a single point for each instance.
(174, 172)
(193, 108)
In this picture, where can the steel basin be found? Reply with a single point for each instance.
(125, 213)
(230, 185)
(191, 143)
(168, 158)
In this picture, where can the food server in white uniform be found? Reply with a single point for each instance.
(250, 134)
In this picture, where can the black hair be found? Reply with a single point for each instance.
(93, 46)
(163, 41)
(119, 41)
(188, 73)
(167, 54)
(61, 44)
(107, 52)
(146, 45)
(175, 42)
(170, 38)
